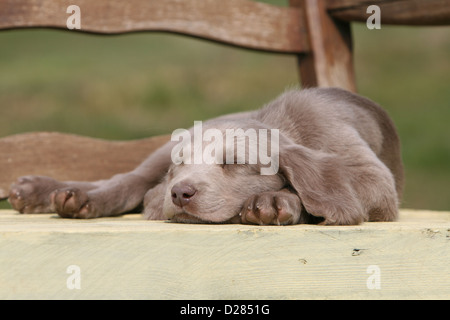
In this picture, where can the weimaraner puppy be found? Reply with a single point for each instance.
(330, 157)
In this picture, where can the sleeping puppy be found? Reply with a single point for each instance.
(320, 155)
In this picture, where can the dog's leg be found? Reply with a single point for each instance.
(35, 194)
(120, 194)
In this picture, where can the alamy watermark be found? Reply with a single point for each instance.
(74, 280)
(374, 20)
(241, 146)
(374, 280)
(73, 21)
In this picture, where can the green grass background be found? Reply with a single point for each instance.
(139, 85)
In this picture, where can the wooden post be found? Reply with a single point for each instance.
(329, 63)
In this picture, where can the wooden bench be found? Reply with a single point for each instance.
(316, 31)
(122, 257)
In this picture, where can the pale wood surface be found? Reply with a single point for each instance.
(69, 157)
(242, 23)
(126, 257)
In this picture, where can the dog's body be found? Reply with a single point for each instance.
(339, 162)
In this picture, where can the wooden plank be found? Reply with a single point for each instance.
(396, 12)
(126, 257)
(69, 157)
(237, 22)
(330, 62)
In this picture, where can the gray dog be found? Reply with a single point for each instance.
(335, 161)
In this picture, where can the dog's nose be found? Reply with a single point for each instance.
(182, 193)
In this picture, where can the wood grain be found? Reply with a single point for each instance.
(241, 23)
(330, 61)
(69, 157)
(129, 258)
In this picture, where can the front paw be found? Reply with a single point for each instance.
(272, 208)
(73, 203)
(33, 194)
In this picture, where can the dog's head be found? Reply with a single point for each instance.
(213, 192)
(216, 168)
(210, 179)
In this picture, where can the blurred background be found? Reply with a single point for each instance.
(138, 85)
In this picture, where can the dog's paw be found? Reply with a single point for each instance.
(33, 194)
(73, 203)
(272, 208)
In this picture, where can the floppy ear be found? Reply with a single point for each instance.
(323, 184)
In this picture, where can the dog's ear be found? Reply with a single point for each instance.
(322, 183)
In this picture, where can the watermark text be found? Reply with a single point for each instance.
(229, 146)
